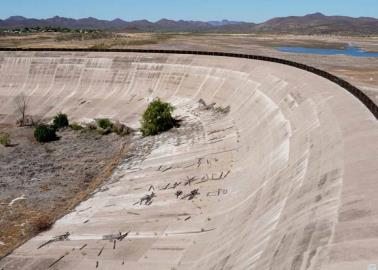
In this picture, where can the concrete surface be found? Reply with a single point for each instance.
(287, 179)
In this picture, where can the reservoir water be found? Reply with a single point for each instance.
(351, 51)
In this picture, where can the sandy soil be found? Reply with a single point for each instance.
(41, 182)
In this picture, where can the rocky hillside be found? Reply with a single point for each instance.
(310, 24)
(320, 24)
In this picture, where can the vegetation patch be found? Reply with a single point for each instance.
(5, 139)
(157, 118)
(104, 126)
(65, 170)
(45, 133)
(104, 123)
(60, 121)
(51, 178)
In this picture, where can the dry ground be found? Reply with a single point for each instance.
(41, 182)
(362, 72)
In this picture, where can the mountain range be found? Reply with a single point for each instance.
(316, 23)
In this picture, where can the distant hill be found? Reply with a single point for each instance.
(117, 24)
(318, 23)
(310, 24)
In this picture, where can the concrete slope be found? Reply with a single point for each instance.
(287, 179)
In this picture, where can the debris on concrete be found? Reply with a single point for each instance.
(55, 262)
(100, 251)
(63, 237)
(204, 106)
(123, 236)
(166, 187)
(178, 193)
(147, 199)
(189, 181)
(217, 193)
(191, 195)
(175, 185)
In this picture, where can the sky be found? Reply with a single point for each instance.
(204, 10)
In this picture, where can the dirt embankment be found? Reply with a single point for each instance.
(41, 182)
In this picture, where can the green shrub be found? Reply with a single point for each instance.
(60, 121)
(76, 126)
(45, 133)
(5, 139)
(104, 123)
(157, 118)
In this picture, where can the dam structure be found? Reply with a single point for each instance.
(279, 173)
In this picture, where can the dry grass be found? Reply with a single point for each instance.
(98, 180)
(100, 40)
(19, 222)
(41, 222)
(122, 42)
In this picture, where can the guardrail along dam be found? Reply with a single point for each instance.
(286, 180)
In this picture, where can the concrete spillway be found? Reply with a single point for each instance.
(287, 179)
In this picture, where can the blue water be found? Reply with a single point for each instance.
(351, 51)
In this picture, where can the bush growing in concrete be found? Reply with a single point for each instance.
(60, 121)
(157, 118)
(104, 123)
(104, 126)
(44, 133)
(5, 139)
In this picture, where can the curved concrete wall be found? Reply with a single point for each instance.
(287, 179)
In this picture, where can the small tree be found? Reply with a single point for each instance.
(60, 121)
(21, 103)
(157, 118)
(44, 133)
